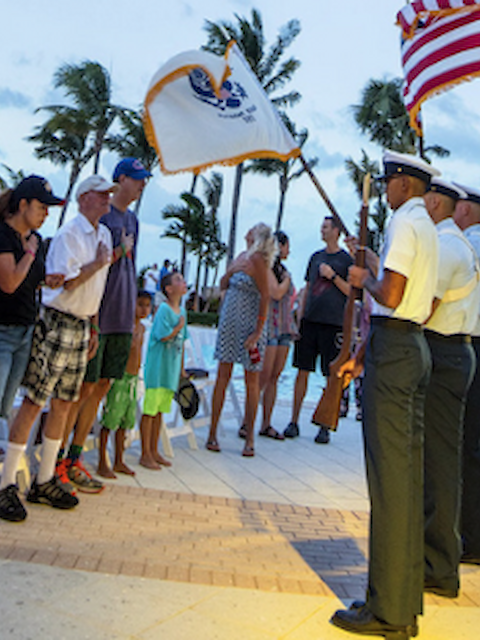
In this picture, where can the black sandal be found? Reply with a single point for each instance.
(242, 432)
(270, 432)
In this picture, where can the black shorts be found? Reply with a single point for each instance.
(316, 339)
(111, 358)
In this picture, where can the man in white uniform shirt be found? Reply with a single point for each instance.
(81, 251)
(397, 368)
(467, 216)
(456, 306)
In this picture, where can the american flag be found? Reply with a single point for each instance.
(440, 48)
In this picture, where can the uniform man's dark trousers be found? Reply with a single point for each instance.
(397, 369)
(470, 520)
(452, 371)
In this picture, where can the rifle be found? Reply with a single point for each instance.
(328, 408)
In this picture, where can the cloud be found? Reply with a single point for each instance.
(9, 98)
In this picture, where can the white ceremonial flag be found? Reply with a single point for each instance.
(202, 109)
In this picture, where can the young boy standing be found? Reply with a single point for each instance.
(163, 367)
(121, 404)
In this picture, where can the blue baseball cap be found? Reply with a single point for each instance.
(132, 168)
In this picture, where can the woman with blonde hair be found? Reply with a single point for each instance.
(241, 333)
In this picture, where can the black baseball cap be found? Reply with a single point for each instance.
(35, 188)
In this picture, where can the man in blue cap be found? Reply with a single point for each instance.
(397, 364)
(116, 321)
(467, 216)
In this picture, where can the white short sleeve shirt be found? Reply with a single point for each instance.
(472, 234)
(74, 246)
(411, 249)
(457, 269)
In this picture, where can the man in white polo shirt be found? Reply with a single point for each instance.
(397, 368)
(81, 251)
(467, 216)
(456, 306)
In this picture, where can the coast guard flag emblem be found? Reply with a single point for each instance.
(202, 109)
(440, 48)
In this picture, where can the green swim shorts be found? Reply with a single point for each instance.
(120, 410)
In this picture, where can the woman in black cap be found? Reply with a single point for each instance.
(22, 268)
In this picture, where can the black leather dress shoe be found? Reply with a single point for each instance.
(359, 604)
(470, 558)
(363, 622)
(436, 589)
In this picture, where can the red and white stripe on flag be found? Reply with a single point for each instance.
(426, 11)
(443, 51)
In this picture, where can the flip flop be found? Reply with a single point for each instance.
(270, 432)
(242, 432)
(212, 445)
(248, 452)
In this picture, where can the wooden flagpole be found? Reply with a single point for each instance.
(324, 195)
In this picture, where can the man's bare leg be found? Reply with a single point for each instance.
(88, 412)
(103, 469)
(301, 385)
(75, 408)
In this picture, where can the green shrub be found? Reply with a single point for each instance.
(209, 319)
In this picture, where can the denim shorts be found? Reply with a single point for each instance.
(15, 345)
(282, 341)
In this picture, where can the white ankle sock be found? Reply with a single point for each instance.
(10, 464)
(50, 449)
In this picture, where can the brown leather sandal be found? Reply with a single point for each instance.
(270, 432)
(212, 445)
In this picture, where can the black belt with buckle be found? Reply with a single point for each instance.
(399, 324)
(459, 338)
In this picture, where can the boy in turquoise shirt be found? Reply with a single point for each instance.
(163, 366)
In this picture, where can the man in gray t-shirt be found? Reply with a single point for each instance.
(116, 318)
(321, 318)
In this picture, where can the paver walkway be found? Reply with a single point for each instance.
(206, 540)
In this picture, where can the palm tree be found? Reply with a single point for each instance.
(357, 173)
(88, 85)
(75, 133)
(214, 249)
(63, 140)
(383, 116)
(185, 222)
(272, 72)
(286, 171)
(132, 142)
(14, 177)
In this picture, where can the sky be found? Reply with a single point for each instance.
(341, 47)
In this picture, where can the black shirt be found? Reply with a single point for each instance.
(325, 302)
(20, 307)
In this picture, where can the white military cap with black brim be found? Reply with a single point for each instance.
(471, 194)
(449, 189)
(395, 163)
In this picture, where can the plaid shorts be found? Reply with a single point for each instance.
(59, 357)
